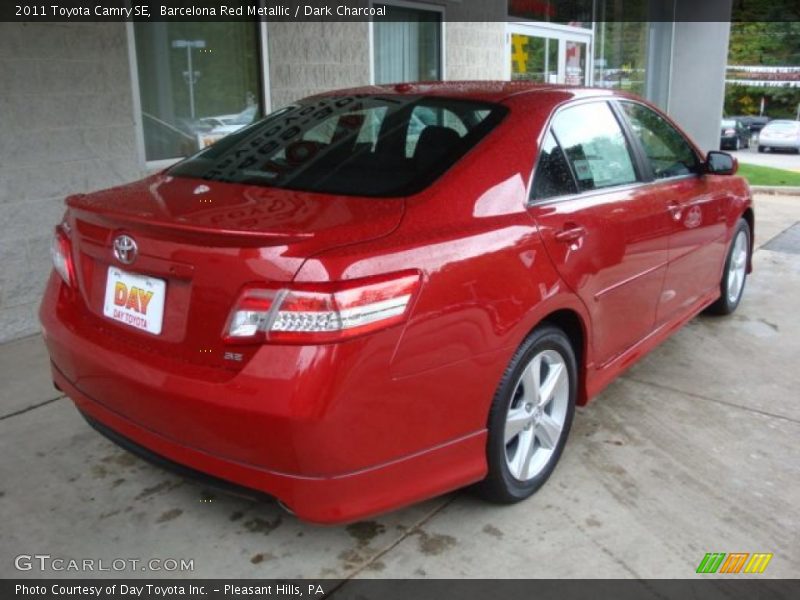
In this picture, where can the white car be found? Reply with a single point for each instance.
(226, 124)
(781, 134)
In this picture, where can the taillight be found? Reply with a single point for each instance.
(61, 253)
(314, 313)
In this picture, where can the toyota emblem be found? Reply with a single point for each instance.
(125, 249)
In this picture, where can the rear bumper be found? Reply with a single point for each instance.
(326, 500)
(772, 143)
(325, 430)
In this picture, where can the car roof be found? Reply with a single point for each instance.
(783, 122)
(489, 91)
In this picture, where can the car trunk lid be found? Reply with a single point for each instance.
(205, 241)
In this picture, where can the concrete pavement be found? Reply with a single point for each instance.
(696, 449)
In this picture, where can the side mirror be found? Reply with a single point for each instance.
(720, 163)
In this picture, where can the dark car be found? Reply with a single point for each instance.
(734, 134)
(754, 123)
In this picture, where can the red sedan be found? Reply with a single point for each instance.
(378, 295)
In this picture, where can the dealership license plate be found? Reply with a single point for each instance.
(136, 300)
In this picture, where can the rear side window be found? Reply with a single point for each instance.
(782, 126)
(423, 117)
(357, 145)
(552, 176)
(595, 146)
(669, 153)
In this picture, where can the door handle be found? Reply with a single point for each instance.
(675, 209)
(571, 233)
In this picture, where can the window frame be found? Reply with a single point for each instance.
(633, 148)
(419, 6)
(152, 166)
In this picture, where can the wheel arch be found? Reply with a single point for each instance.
(574, 326)
(749, 217)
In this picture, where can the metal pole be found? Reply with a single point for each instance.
(191, 79)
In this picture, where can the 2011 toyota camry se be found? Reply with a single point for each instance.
(378, 295)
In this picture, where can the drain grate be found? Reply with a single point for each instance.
(787, 241)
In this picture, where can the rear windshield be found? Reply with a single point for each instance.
(782, 126)
(729, 123)
(354, 145)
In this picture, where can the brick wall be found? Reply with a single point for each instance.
(475, 50)
(308, 58)
(67, 127)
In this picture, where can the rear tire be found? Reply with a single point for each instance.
(734, 275)
(530, 417)
(761, 149)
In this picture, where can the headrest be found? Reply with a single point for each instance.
(434, 142)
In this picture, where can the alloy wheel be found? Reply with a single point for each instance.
(737, 266)
(536, 415)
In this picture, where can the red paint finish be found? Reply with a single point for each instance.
(342, 429)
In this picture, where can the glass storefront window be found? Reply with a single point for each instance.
(575, 69)
(577, 13)
(534, 58)
(408, 45)
(620, 60)
(197, 83)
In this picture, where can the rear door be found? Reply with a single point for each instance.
(695, 205)
(604, 231)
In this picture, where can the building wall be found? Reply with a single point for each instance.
(65, 101)
(697, 79)
(308, 58)
(475, 50)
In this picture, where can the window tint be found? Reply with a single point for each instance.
(552, 176)
(352, 145)
(595, 146)
(425, 116)
(667, 150)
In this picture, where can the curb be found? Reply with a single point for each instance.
(783, 190)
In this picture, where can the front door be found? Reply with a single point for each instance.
(601, 227)
(697, 243)
(549, 53)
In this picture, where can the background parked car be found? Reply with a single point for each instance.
(223, 125)
(780, 135)
(734, 134)
(753, 122)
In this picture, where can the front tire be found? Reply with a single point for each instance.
(734, 275)
(531, 416)
(761, 149)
